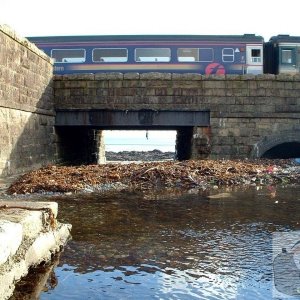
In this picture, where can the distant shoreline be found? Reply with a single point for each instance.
(152, 155)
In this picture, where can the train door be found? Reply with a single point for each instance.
(288, 60)
(254, 60)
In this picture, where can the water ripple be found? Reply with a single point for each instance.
(171, 246)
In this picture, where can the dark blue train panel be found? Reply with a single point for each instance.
(176, 54)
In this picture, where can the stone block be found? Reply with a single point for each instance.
(75, 77)
(186, 76)
(155, 76)
(109, 76)
(284, 77)
(246, 77)
(214, 77)
(214, 84)
(265, 77)
(131, 76)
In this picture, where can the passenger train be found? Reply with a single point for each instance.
(203, 54)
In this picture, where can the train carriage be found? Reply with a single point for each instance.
(225, 54)
(282, 55)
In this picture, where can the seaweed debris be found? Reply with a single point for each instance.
(149, 175)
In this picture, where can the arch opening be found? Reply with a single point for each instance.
(78, 145)
(139, 145)
(283, 151)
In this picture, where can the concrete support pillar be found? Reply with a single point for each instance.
(80, 145)
(193, 143)
(183, 143)
(100, 147)
(201, 142)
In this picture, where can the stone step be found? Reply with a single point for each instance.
(31, 253)
(29, 235)
(32, 216)
(31, 205)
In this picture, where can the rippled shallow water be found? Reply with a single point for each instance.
(168, 245)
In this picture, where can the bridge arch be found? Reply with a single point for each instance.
(283, 145)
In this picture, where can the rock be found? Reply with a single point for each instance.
(154, 155)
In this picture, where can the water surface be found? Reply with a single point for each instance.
(171, 245)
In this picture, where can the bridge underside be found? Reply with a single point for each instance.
(133, 119)
(81, 140)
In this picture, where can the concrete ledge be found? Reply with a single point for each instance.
(31, 253)
(33, 217)
(29, 235)
(31, 205)
(175, 76)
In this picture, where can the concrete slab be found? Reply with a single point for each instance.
(31, 253)
(32, 222)
(10, 239)
(29, 234)
(31, 205)
(33, 216)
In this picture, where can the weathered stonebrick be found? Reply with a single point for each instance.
(26, 89)
(186, 76)
(243, 109)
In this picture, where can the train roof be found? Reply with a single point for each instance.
(285, 38)
(119, 38)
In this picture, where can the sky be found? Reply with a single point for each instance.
(92, 17)
(116, 140)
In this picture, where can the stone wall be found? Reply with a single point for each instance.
(248, 114)
(27, 137)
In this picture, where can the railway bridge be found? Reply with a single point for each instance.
(227, 116)
(49, 119)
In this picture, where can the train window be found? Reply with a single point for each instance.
(152, 55)
(287, 56)
(68, 55)
(256, 55)
(110, 55)
(253, 55)
(187, 54)
(228, 55)
(206, 54)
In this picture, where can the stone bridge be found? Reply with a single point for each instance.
(229, 116)
(50, 119)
